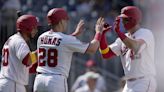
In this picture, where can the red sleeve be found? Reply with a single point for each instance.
(33, 68)
(110, 54)
(26, 59)
(104, 45)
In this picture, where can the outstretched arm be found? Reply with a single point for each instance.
(79, 28)
(94, 44)
(105, 51)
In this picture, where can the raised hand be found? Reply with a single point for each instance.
(99, 25)
(117, 29)
(117, 25)
(106, 28)
(79, 28)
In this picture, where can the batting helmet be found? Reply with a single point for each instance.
(133, 14)
(56, 14)
(26, 23)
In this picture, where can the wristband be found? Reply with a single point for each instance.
(121, 35)
(97, 36)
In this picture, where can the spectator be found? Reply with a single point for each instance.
(82, 80)
(91, 82)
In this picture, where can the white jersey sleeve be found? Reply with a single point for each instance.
(147, 36)
(22, 50)
(116, 46)
(76, 45)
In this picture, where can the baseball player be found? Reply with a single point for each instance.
(55, 50)
(136, 49)
(17, 57)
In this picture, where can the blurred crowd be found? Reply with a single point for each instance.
(89, 10)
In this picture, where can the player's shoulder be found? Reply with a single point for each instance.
(51, 33)
(145, 31)
(66, 38)
(17, 38)
(43, 34)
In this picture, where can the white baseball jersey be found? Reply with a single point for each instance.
(14, 51)
(137, 64)
(55, 52)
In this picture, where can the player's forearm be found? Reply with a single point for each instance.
(94, 44)
(132, 44)
(105, 51)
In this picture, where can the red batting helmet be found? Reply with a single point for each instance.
(26, 23)
(56, 14)
(133, 14)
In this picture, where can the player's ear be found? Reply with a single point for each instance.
(60, 23)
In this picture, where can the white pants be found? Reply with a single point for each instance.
(50, 83)
(146, 84)
(7, 85)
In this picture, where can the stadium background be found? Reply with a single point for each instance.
(89, 10)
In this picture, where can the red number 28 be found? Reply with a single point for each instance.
(48, 56)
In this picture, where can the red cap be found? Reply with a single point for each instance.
(131, 11)
(56, 14)
(26, 23)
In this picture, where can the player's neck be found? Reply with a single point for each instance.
(25, 37)
(134, 29)
(57, 29)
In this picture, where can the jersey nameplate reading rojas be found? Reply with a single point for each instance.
(50, 40)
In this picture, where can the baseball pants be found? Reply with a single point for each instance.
(7, 85)
(146, 84)
(50, 83)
